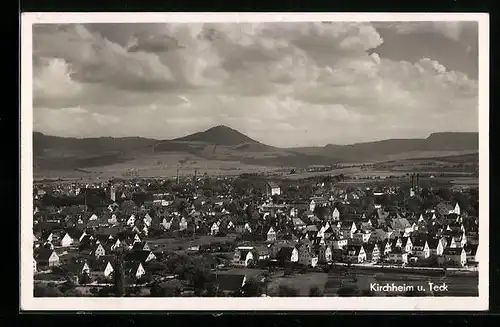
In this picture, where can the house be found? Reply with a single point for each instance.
(325, 254)
(272, 189)
(347, 229)
(98, 250)
(455, 210)
(306, 256)
(147, 220)
(321, 232)
(401, 225)
(454, 257)
(337, 242)
(436, 247)
(298, 224)
(166, 223)
(471, 253)
(183, 224)
(407, 244)
(421, 248)
(398, 256)
(384, 247)
(214, 229)
(243, 256)
(361, 236)
(335, 214)
(67, 240)
(356, 253)
(46, 257)
(317, 202)
(134, 269)
(78, 269)
(243, 228)
(131, 221)
(271, 235)
(262, 253)
(372, 252)
(287, 254)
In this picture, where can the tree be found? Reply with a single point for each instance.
(315, 291)
(252, 288)
(119, 277)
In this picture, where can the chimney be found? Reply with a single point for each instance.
(416, 183)
(412, 180)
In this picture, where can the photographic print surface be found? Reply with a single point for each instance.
(218, 162)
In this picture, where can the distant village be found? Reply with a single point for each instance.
(148, 229)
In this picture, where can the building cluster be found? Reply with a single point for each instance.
(316, 230)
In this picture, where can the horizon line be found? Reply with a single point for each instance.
(221, 125)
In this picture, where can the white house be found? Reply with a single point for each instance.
(183, 224)
(307, 258)
(214, 230)
(131, 221)
(347, 228)
(335, 215)
(454, 257)
(243, 256)
(272, 189)
(108, 270)
(421, 248)
(361, 236)
(436, 247)
(456, 210)
(337, 242)
(397, 256)
(356, 253)
(271, 235)
(67, 240)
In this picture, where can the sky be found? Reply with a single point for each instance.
(283, 84)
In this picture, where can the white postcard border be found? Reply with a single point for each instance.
(29, 302)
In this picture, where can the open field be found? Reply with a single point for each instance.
(179, 244)
(167, 165)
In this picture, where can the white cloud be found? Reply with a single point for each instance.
(283, 84)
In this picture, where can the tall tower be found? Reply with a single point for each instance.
(412, 187)
(112, 193)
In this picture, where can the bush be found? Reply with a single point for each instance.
(315, 291)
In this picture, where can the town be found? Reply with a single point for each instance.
(252, 235)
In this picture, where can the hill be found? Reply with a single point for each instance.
(437, 144)
(224, 144)
(220, 135)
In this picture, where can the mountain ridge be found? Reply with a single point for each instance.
(227, 144)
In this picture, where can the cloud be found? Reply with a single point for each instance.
(285, 84)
